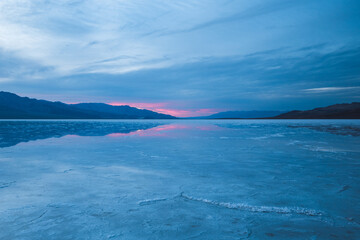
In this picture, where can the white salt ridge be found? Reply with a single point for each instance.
(240, 206)
(263, 209)
(151, 201)
(267, 136)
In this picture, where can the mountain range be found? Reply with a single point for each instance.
(337, 111)
(244, 114)
(13, 106)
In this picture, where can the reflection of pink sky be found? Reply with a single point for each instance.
(164, 130)
(163, 108)
(138, 133)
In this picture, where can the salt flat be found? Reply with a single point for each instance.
(180, 179)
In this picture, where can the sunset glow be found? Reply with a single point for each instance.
(173, 120)
(163, 108)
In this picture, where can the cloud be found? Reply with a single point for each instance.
(75, 37)
(244, 14)
(187, 113)
(2, 79)
(268, 80)
(329, 89)
(205, 54)
(165, 107)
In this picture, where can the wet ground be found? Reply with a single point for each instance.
(180, 179)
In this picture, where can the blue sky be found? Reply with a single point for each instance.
(183, 57)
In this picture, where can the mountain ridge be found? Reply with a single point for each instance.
(336, 111)
(13, 106)
(244, 114)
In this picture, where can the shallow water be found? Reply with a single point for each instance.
(180, 179)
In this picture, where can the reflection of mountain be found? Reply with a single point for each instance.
(14, 132)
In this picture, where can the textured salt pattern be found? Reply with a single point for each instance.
(177, 179)
(151, 201)
(263, 209)
(345, 130)
(239, 206)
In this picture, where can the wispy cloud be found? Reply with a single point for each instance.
(4, 79)
(216, 54)
(329, 89)
(113, 36)
(244, 13)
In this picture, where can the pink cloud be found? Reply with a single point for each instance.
(187, 113)
(140, 105)
(162, 107)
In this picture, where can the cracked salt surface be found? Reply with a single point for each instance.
(173, 179)
(239, 206)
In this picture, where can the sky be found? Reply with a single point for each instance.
(185, 58)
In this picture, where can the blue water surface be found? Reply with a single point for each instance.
(180, 179)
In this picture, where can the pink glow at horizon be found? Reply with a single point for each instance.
(162, 108)
(139, 104)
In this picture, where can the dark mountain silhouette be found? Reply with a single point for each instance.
(13, 106)
(244, 114)
(125, 110)
(337, 111)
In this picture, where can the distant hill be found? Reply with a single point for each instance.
(13, 106)
(125, 110)
(337, 111)
(244, 114)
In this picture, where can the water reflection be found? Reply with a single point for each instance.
(192, 179)
(337, 127)
(159, 131)
(14, 132)
(171, 130)
(344, 130)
